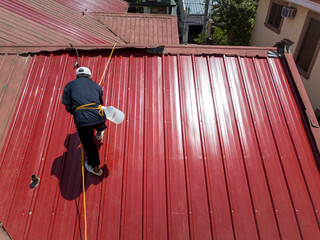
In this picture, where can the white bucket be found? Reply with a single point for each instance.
(113, 114)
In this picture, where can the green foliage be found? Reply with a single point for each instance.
(219, 36)
(200, 40)
(233, 21)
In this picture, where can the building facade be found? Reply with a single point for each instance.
(296, 22)
(152, 6)
(191, 18)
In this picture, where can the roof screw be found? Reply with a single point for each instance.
(34, 181)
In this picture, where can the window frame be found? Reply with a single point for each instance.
(306, 74)
(271, 27)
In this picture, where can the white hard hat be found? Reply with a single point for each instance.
(83, 70)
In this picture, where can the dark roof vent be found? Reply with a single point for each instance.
(288, 12)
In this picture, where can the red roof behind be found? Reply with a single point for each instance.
(48, 22)
(212, 147)
(83, 6)
(142, 29)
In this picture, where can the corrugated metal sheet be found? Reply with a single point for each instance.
(212, 147)
(38, 22)
(110, 6)
(13, 69)
(142, 28)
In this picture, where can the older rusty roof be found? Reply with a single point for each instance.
(142, 29)
(48, 22)
(212, 146)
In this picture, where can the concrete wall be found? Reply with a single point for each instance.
(291, 29)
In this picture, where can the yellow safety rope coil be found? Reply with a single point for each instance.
(87, 106)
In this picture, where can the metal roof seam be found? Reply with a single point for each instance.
(77, 20)
(242, 140)
(285, 173)
(307, 183)
(65, 23)
(14, 121)
(250, 106)
(114, 33)
(43, 162)
(203, 140)
(231, 222)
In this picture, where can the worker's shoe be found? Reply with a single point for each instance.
(100, 135)
(91, 170)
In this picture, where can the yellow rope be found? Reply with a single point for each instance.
(86, 106)
(84, 196)
(105, 69)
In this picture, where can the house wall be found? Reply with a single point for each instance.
(290, 29)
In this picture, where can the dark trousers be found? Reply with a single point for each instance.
(86, 135)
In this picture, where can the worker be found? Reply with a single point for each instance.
(84, 92)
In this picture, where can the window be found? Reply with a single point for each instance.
(274, 19)
(308, 45)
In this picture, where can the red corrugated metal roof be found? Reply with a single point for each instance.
(83, 6)
(142, 28)
(13, 70)
(212, 147)
(36, 22)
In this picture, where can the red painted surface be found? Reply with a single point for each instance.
(140, 28)
(84, 6)
(34, 17)
(212, 146)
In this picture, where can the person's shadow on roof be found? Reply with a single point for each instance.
(67, 168)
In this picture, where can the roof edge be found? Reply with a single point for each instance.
(157, 49)
(310, 122)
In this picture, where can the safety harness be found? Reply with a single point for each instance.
(90, 106)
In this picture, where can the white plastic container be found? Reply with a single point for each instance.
(113, 114)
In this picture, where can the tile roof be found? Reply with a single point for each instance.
(212, 146)
(37, 22)
(142, 28)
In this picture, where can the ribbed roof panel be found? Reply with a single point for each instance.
(37, 21)
(84, 6)
(212, 146)
(142, 29)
